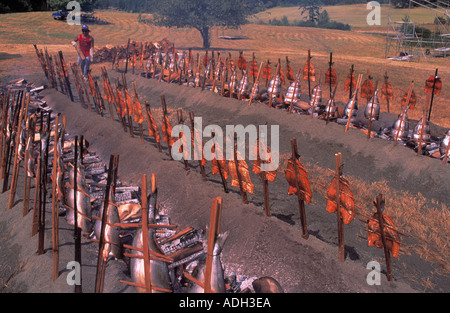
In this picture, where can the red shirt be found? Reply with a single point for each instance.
(85, 44)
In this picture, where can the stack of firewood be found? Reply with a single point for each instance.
(108, 53)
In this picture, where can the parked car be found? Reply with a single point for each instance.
(60, 15)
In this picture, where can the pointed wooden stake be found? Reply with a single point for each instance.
(338, 169)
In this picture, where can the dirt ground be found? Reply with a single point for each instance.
(258, 245)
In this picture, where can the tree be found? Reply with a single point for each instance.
(201, 15)
(311, 8)
(86, 5)
(323, 18)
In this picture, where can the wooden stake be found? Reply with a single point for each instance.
(351, 83)
(12, 191)
(202, 168)
(432, 94)
(329, 69)
(338, 169)
(214, 229)
(408, 97)
(295, 89)
(301, 202)
(66, 74)
(224, 182)
(55, 219)
(274, 86)
(369, 130)
(127, 55)
(144, 210)
(264, 179)
(37, 186)
(379, 205)
(358, 84)
(164, 109)
(255, 84)
(77, 230)
(180, 122)
(309, 75)
(238, 174)
(150, 124)
(101, 263)
(27, 180)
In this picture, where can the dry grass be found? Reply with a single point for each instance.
(426, 221)
(364, 50)
(355, 15)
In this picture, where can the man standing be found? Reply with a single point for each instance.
(85, 43)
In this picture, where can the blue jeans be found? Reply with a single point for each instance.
(84, 65)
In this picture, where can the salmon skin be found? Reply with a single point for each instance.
(111, 235)
(159, 270)
(374, 234)
(302, 177)
(217, 272)
(247, 184)
(347, 204)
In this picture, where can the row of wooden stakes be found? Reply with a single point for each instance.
(295, 173)
(16, 111)
(127, 109)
